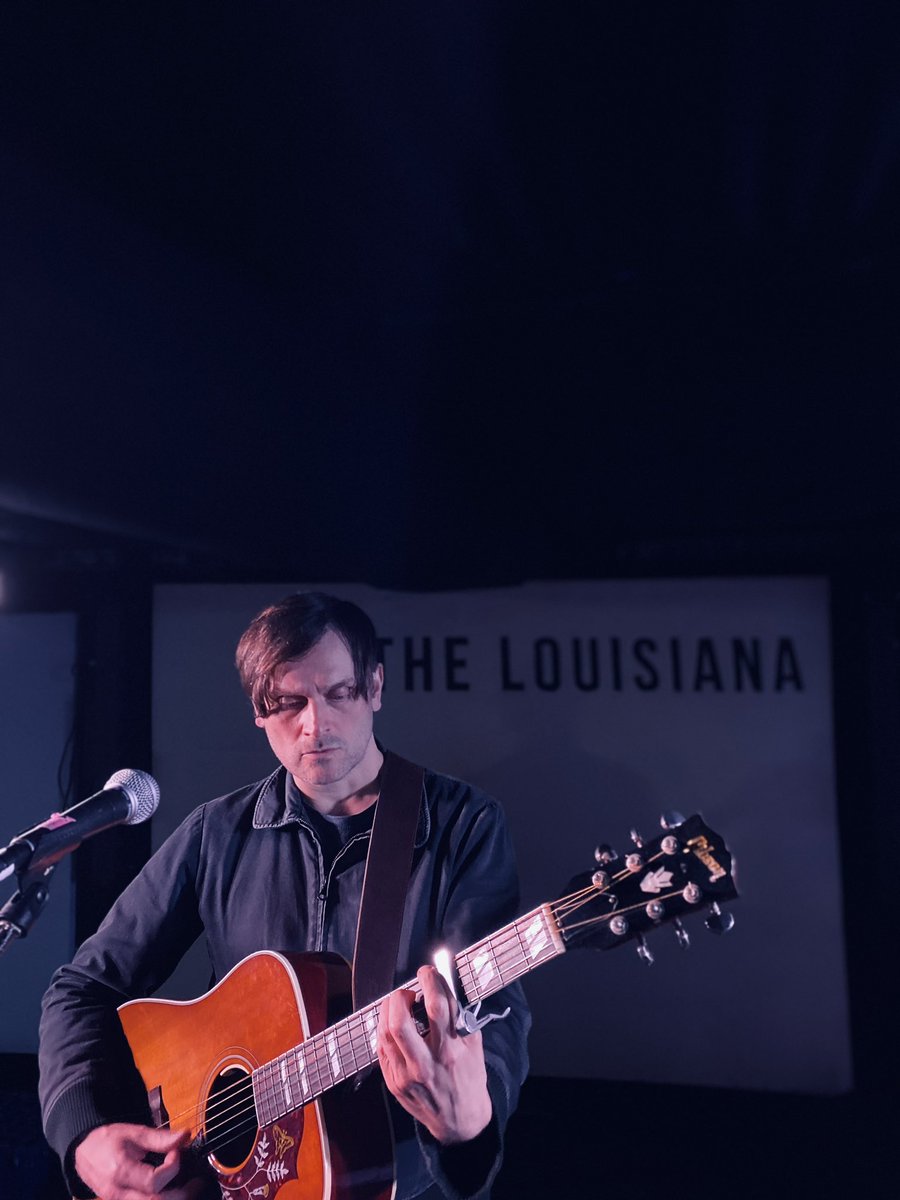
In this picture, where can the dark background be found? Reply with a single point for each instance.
(454, 295)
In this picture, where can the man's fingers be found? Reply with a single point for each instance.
(440, 1003)
(398, 1029)
(401, 1048)
(166, 1171)
(397, 1024)
(144, 1140)
(440, 1079)
(160, 1140)
(110, 1159)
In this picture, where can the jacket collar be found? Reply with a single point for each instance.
(271, 810)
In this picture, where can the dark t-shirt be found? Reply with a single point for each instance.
(333, 832)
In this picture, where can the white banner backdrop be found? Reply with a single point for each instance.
(589, 708)
(37, 660)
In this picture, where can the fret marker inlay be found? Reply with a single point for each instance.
(536, 936)
(484, 968)
(301, 1072)
(337, 1068)
(372, 1026)
(285, 1085)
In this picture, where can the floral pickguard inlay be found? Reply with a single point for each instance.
(272, 1163)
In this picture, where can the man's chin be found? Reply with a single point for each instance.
(327, 768)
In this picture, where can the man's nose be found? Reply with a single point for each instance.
(312, 718)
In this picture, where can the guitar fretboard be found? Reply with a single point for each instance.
(343, 1050)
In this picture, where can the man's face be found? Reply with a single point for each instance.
(321, 730)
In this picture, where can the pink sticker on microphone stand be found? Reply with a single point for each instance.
(56, 821)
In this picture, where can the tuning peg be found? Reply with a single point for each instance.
(643, 951)
(637, 839)
(718, 921)
(671, 819)
(605, 853)
(681, 935)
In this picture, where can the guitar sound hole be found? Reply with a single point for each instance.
(231, 1117)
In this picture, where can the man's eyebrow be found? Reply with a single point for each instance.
(348, 682)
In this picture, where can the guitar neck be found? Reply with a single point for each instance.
(343, 1050)
(508, 954)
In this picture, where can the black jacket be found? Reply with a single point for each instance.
(248, 874)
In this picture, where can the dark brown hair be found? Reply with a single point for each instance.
(289, 629)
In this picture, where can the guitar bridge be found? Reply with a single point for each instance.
(157, 1108)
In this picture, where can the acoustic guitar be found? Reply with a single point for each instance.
(271, 1073)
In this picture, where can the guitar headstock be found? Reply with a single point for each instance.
(687, 869)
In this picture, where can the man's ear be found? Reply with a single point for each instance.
(377, 687)
(259, 722)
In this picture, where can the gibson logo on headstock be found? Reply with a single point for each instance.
(700, 847)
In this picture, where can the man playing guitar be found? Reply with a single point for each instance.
(278, 865)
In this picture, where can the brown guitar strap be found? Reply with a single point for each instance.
(386, 880)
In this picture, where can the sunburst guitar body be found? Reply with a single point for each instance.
(203, 1062)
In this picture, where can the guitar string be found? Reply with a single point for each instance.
(242, 1116)
(249, 1114)
(238, 1100)
(349, 1034)
(230, 1101)
(630, 908)
(351, 1037)
(348, 1038)
(577, 899)
(344, 1037)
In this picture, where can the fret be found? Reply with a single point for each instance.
(370, 1026)
(523, 954)
(467, 977)
(268, 1098)
(309, 1070)
(335, 1061)
(315, 1061)
(513, 956)
(341, 1043)
(302, 1073)
(484, 970)
(357, 1042)
(274, 1095)
(348, 1049)
(260, 1080)
(286, 1090)
(540, 936)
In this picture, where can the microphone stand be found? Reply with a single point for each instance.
(23, 908)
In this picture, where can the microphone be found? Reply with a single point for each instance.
(128, 798)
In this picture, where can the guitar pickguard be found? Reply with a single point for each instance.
(272, 1164)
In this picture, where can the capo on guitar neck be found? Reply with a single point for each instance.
(467, 1018)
